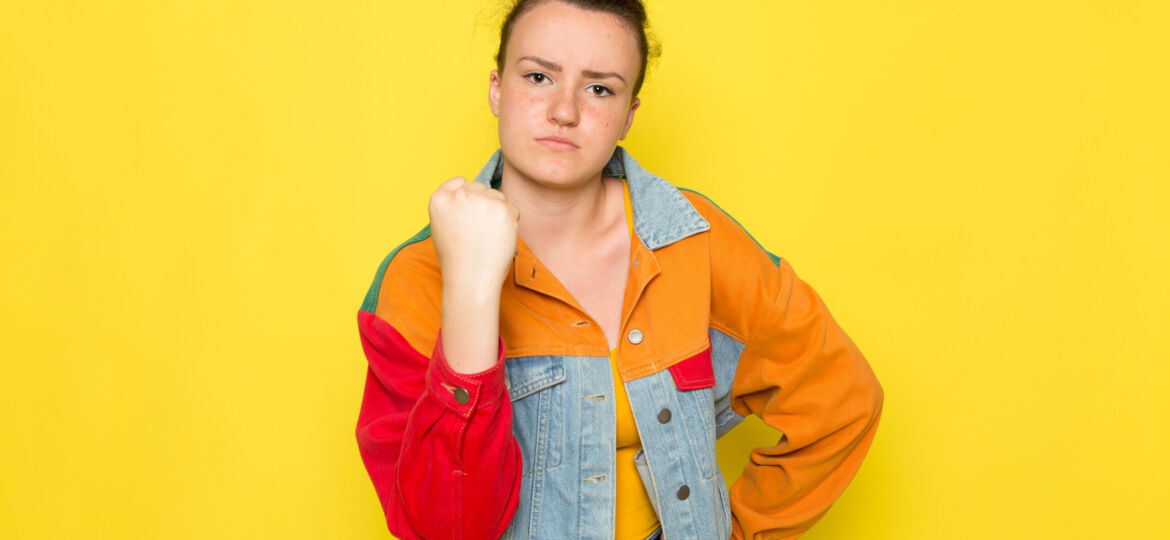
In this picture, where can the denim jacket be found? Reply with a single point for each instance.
(713, 328)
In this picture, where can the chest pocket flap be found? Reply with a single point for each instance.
(695, 372)
(527, 376)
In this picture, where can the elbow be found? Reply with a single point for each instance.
(866, 399)
(875, 399)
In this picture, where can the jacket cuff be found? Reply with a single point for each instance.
(463, 392)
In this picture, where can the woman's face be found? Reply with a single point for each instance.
(564, 97)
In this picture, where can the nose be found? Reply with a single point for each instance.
(564, 108)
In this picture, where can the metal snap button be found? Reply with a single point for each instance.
(684, 492)
(461, 396)
(635, 336)
(663, 416)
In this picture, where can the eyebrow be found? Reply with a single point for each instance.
(553, 66)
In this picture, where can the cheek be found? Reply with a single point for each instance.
(610, 121)
(603, 119)
(520, 104)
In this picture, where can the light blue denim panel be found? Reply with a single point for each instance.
(538, 410)
(681, 452)
(568, 490)
(537, 387)
(698, 415)
(725, 353)
(597, 439)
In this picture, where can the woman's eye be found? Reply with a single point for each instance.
(536, 77)
(600, 90)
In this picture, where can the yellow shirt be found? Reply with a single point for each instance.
(635, 515)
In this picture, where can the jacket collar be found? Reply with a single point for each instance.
(662, 214)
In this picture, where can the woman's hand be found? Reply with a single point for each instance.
(474, 231)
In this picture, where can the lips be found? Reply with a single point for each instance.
(557, 142)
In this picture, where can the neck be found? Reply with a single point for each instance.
(563, 217)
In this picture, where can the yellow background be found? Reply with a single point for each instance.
(195, 196)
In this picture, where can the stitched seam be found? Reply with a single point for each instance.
(558, 349)
(370, 302)
(685, 383)
(675, 357)
(727, 330)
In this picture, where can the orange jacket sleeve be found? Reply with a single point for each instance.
(801, 374)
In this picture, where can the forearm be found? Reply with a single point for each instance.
(470, 325)
(474, 229)
(802, 374)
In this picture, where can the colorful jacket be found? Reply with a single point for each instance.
(713, 328)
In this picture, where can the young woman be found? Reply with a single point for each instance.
(555, 355)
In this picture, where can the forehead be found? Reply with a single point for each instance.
(576, 38)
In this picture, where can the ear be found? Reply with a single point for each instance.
(630, 118)
(494, 92)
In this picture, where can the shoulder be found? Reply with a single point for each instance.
(724, 227)
(745, 277)
(406, 290)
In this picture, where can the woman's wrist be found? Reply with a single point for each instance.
(475, 289)
(470, 326)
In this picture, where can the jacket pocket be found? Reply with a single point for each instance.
(643, 468)
(694, 373)
(722, 509)
(691, 376)
(534, 386)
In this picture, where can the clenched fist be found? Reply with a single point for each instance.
(474, 231)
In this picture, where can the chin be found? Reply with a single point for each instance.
(550, 167)
(550, 175)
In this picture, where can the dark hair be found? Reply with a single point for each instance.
(630, 11)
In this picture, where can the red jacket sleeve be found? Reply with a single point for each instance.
(438, 445)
